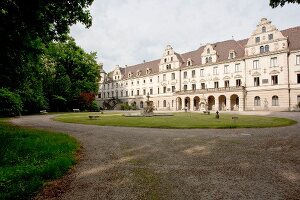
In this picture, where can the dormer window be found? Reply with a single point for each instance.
(263, 29)
(257, 39)
(148, 71)
(139, 73)
(189, 62)
(129, 74)
(168, 52)
(206, 60)
(231, 54)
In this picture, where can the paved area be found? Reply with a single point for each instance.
(138, 163)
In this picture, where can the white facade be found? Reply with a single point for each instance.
(259, 73)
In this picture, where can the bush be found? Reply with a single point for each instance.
(11, 103)
(95, 107)
(125, 106)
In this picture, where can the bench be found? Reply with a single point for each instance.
(235, 118)
(76, 110)
(206, 112)
(94, 116)
(43, 112)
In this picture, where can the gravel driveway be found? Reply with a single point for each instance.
(139, 163)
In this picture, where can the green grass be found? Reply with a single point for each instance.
(179, 120)
(29, 158)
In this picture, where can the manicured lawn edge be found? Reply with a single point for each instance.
(178, 121)
(30, 158)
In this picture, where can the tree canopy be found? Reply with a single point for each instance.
(27, 29)
(276, 3)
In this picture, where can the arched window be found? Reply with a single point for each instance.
(257, 101)
(189, 63)
(208, 51)
(206, 60)
(261, 49)
(275, 101)
(165, 60)
(210, 59)
(267, 48)
(164, 103)
(141, 104)
(263, 29)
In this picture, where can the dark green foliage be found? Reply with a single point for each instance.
(11, 104)
(95, 107)
(125, 106)
(28, 158)
(69, 73)
(275, 3)
(26, 29)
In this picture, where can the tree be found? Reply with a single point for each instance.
(69, 73)
(276, 3)
(26, 28)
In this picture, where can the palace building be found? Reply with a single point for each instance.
(258, 73)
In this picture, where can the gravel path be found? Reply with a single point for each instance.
(138, 163)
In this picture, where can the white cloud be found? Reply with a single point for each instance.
(130, 31)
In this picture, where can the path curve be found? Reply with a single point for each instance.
(146, 163)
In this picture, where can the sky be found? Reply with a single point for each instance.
(126, 32)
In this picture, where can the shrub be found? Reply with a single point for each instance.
(11, 103)
(94, 107)
(125, 106)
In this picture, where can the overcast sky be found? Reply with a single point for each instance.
(126, 32)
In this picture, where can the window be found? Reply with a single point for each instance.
(141, 104)
(172, 103)
(126, 93)
(184, 74)
(173, 88)
(164, 89)
(189, 63)
(158, 79)
(99, 95)
(201, 72)
(257, 101)
(171, 58)
(150, 80)
(237, 67)
(144, 91)
(208, 51)
(225, 69)
(297, 59)
(226, 83)
(215, 70)
(121, 93)
(132, 93)
(256, 81)
(263, 29)
(270, 36)
(267, 48)
(255, 64)
(274, 62)
(169, 66)
(206, 60)
(210, 59)
(164, 77)
(112, 93)
(144, 81)
(157, 90)
(298, 78)
(238, 82)
(261, 49)
(137, 92)
(132, 83)
(193, 73)
(185, 87)
(173, 76)
(164, 103)
(168, 52)
(231, 55)
(274, 80)
(194, 87)
(257, 39)
(216, 84)
(151, 91)
(137, 82)
(202, 86)
(165, 60)
(275, 101)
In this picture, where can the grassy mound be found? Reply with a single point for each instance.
(29, 158)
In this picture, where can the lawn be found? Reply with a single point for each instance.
(179, 120)
(29, 158)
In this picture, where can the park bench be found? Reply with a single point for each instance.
(94, 116)
(235, 118)
(76, 110)
(43, 112)
(206, 112)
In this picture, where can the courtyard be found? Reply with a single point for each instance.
(153, 163)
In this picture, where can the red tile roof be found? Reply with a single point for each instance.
(222, 49)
